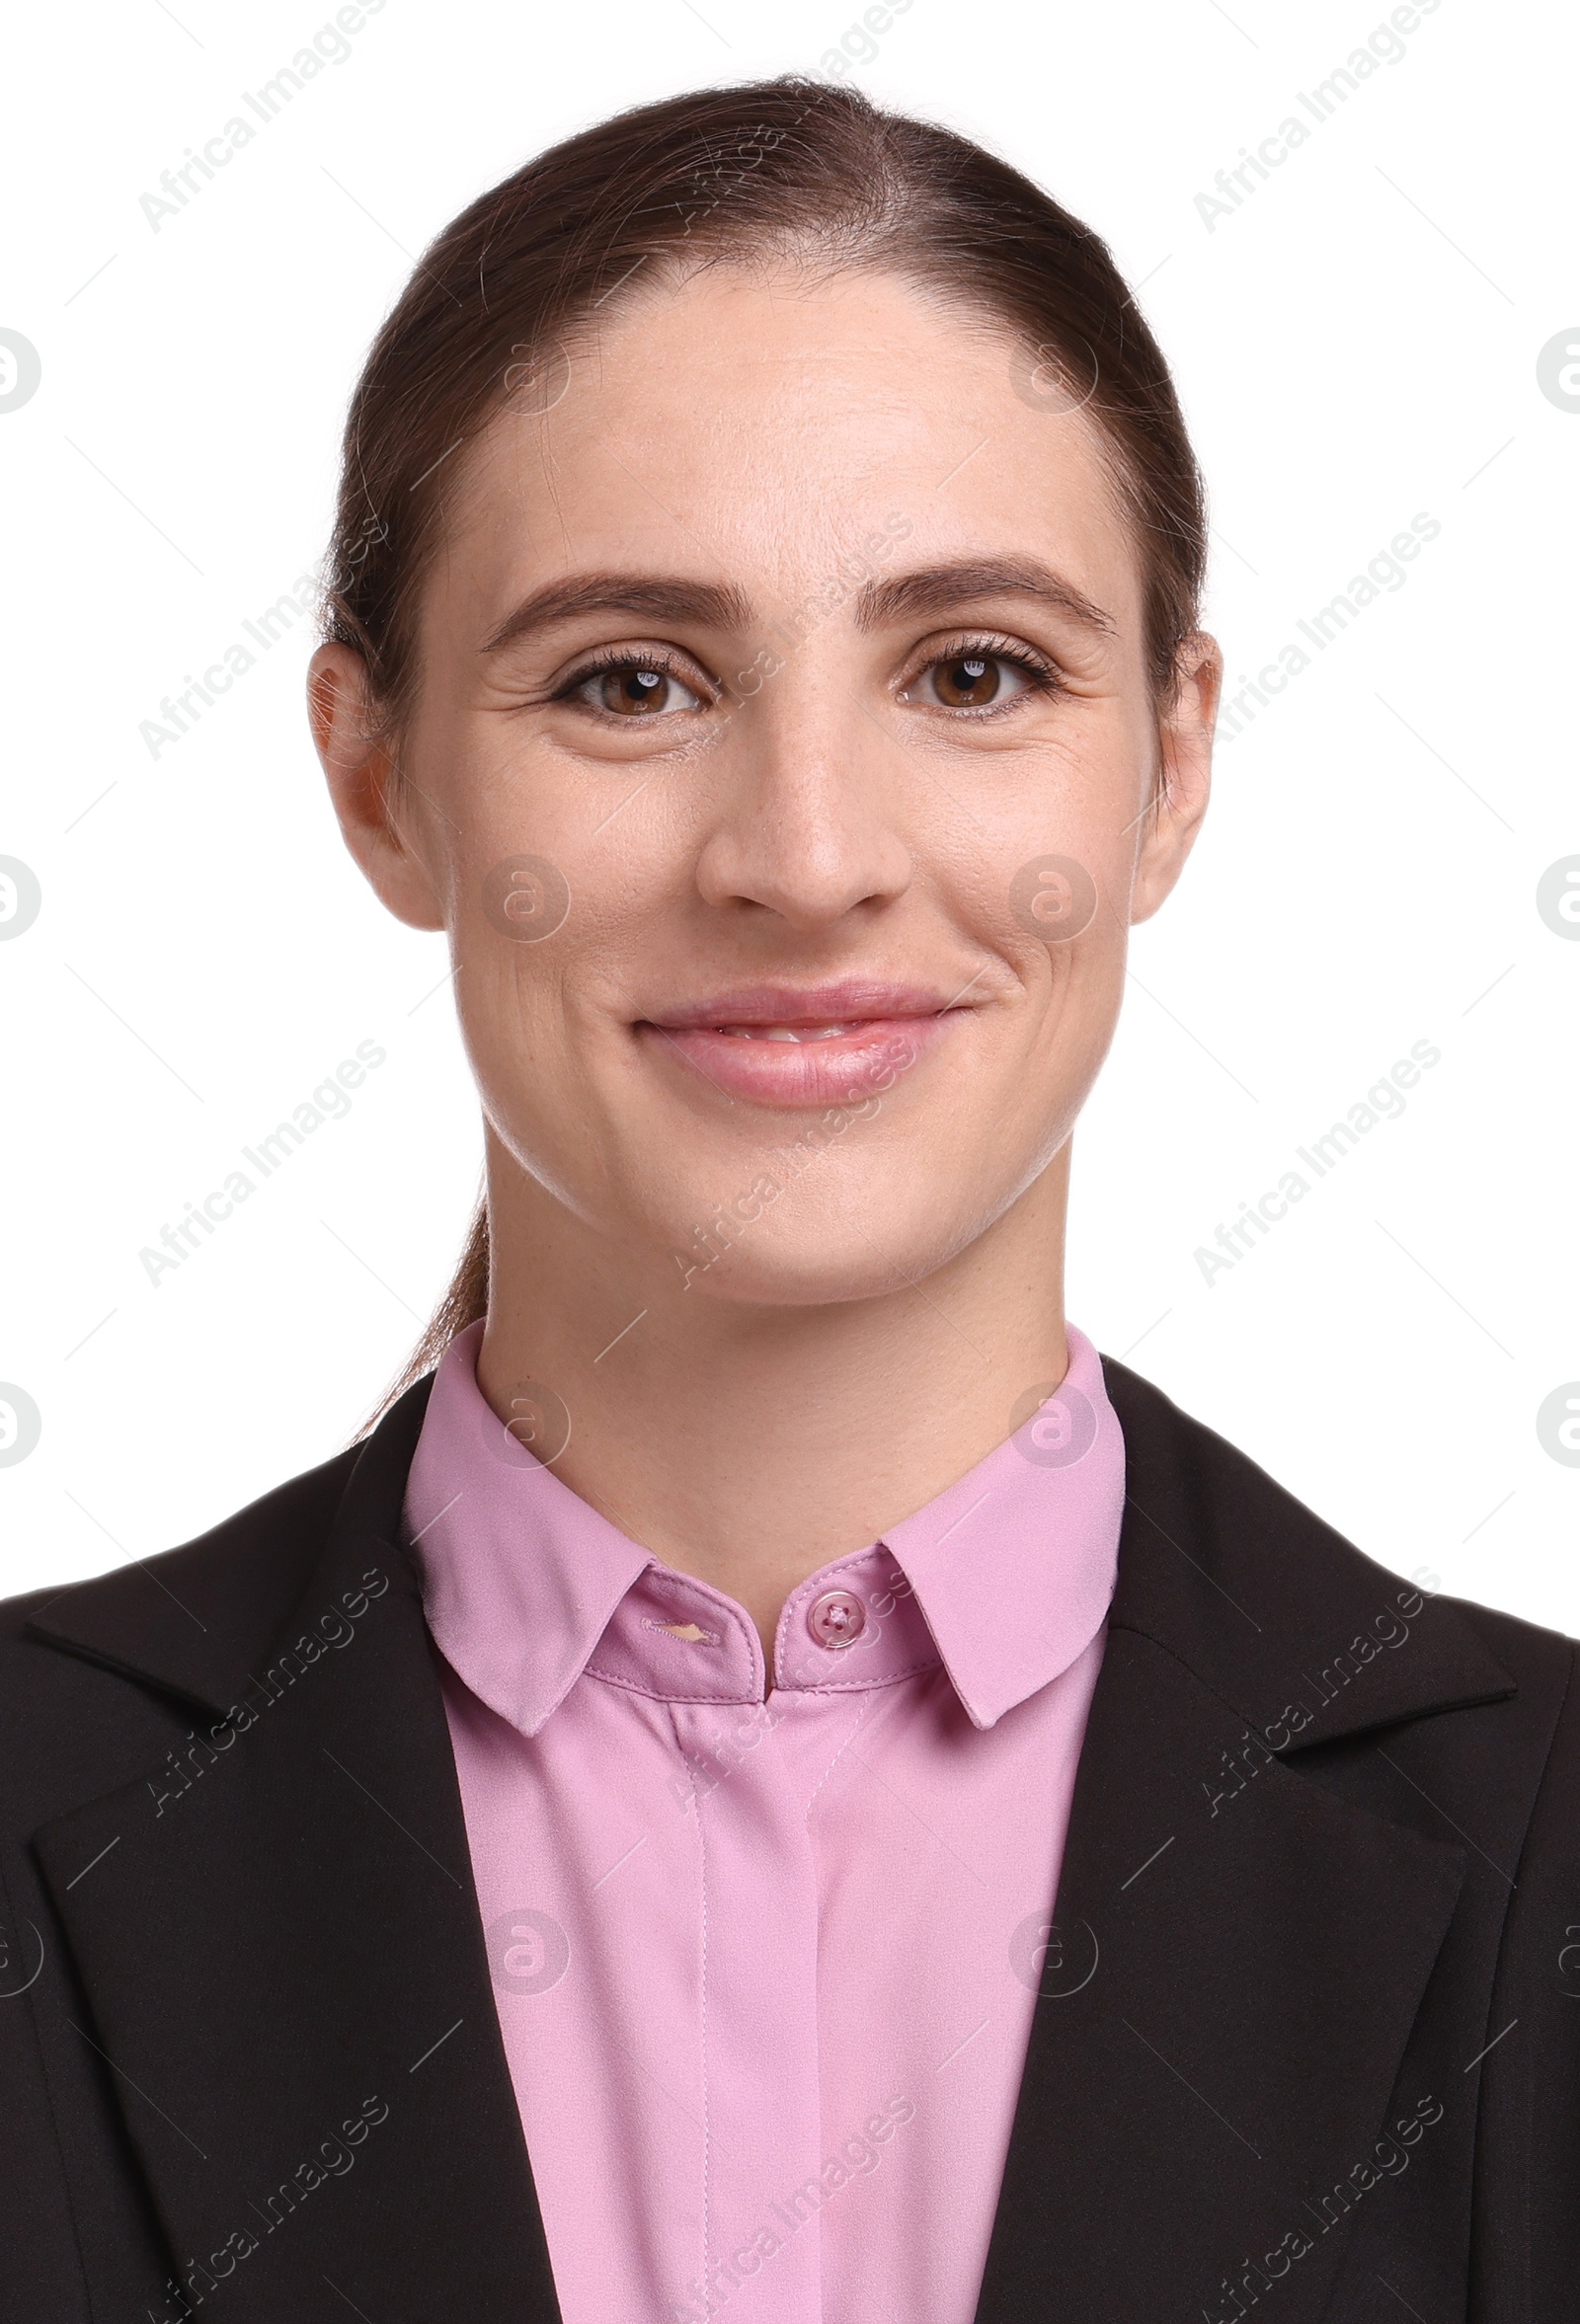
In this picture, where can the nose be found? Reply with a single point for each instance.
(808, 824)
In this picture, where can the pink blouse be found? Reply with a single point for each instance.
(765, 1970)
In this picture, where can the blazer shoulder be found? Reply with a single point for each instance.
(190, 1623)
(1189, 1489)
(1181, 1472)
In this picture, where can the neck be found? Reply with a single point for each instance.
(748, 1445)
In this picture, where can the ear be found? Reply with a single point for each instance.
(374, 820)
(1185, 774)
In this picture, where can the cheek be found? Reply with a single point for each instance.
(549, 952)
(1071, 990)
(513, 934)
(516, 838)
(535, 886)
(510, 1002)
(549, 852)
(544, 1061)
(1049, 857)
(1053, 904)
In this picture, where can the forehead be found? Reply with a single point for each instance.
(760, 427)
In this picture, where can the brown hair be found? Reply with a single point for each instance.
(789, 168)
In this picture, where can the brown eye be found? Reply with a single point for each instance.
(633, 692)
(634, 689)
(968, 682)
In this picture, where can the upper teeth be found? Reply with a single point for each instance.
(784, 1032)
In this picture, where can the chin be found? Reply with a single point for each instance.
(819, 1263)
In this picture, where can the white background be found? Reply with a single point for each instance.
(1355, 343)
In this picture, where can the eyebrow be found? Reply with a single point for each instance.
(712, 605)
(658, 597)
(938, 587)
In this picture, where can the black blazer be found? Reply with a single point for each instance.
(1308, 2044)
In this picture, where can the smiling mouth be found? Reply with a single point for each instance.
(777, 1048)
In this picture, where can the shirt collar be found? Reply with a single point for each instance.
(1013, 1567)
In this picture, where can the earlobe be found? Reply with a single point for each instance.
(1184, 781)
(362, 786)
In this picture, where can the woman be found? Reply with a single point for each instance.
(591, 1848)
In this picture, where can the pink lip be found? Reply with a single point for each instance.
(885, 1029)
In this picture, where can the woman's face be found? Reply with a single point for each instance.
(785, 772)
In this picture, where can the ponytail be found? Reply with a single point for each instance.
(464, 1302)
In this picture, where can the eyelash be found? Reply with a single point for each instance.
(1041, 677)
(604, 665)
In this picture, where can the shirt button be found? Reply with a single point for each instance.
(836, 1619)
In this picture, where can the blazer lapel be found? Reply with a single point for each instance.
(1238, 1954)
(285, 1963)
